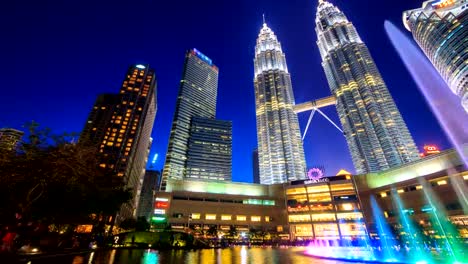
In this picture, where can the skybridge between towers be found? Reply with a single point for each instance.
(314, 106)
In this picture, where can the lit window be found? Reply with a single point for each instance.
(383, 194)
(110, 144)
(419, 187)
(210, 217)
(400, 191)
(267, 219)
(323, 217)
(465, 177)
(225, 217)
(255, 218)
(241, 218)
(299, 218)
(442, 182)
(195, 216)
(102, 165)
(120, 174)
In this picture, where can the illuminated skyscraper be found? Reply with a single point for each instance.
(280, 151)
(120, 127)
(377, 136)
(197, 98)
(209, 155)
(440, 29)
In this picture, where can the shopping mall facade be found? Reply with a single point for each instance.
(328, 208)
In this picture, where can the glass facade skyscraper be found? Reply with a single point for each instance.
(440, 29)
(280, 151)
(376, 134)
(209, 155)
(197, 98)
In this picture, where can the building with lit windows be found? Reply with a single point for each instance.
(9, 139)
(280, 151)
(202, 204)
(120, 127)
(197, 98)
(439, 27)
(327, 208)
(377, 136)
(324, 208)
(209, 154)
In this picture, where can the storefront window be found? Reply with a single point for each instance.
(323, 217)
(350, 216)
(318, 189)
(303, 230)
(299, 218)
(295, 191)
(326, 231)
(319, 197)
(352, 230)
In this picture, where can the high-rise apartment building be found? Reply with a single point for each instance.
(280, 151)
(120, 127)
(209, 154)
(440, 29)
(9, 139)
(376, 134)
(197, 98)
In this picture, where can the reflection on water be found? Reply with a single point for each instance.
(236, 255)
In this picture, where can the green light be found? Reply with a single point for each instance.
(158, 219)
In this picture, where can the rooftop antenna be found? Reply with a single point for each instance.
(264, 18)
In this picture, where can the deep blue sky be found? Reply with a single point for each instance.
(57, 56)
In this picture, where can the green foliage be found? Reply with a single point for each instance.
(212, 231)
(51, 179)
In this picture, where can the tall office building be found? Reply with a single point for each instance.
(148, 189)
(9, 139)
(120, 127)
(280, 151)
(377, 136)
(255, 166)
(197, 98)
(209, 155)
(440, 29)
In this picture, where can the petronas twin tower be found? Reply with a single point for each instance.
(376, 134)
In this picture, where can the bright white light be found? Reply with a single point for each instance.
(139, 66)
(159, 211)
(155, 158)
(162, 199)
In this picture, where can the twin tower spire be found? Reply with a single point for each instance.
(377, 136)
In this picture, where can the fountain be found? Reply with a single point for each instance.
(444, 104)
(411, 244)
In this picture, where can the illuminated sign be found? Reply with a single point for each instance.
(158, 219)
(161, 205)
(443, 3)
(161, 199)
(202, 56)
(430, 149)
(139, 66)
(315, 173)
(159, 211)
(317, 181)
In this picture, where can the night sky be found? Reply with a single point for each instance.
(57, 56)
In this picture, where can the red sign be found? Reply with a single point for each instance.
(429, 150)
(161, 205)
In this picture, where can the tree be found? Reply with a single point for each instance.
(56, 180)
(212, 231)
(232, 232)
(142, 224)
(128, 224)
